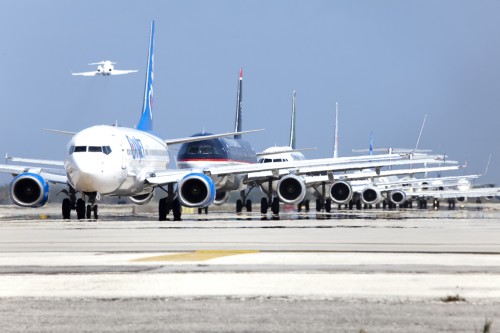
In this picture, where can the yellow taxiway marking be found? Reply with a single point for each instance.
(200, 255)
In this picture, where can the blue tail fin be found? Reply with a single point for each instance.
(239, 95)
(146, 121)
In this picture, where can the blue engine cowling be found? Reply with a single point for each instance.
(29, 190)
(196, 190)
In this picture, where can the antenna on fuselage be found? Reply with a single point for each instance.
(238, 120)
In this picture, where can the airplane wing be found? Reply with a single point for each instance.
(49, 174)
(205, 137)
(258, 171)
(122, 71)
(289, 150)
(453, 194)
(93, 73)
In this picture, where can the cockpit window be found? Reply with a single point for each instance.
(91, 149)
(201, 149)
(106, 150)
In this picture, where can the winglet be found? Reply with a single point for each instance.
(146, 121)
(239, 95)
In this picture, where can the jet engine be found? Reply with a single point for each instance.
(196, 190)
(462, 199)
(29, 190)
(341, 192)
(291, 189)
(221, 197)
(397, 197)
(142, 199)
(370, 195)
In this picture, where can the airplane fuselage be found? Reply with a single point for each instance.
(113, 160)
(217, 152)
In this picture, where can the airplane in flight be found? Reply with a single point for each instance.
(105, 68)
(132, 162)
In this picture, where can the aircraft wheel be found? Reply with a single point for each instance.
(307, 206)
(358, 204)
(275, 206)
(328, 205)
(248, 205)
(239, 206)
(66, 209)
(95, 212)
(80, 209)
(162, 209)
(319, 205)
(264, 206)
(89, 212)
(176, 210)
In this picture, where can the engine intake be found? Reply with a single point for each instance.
(29, 190)
(196, 190)
(142, 199)
(291, 189)
(221, 197)
(397, 197)
(370, 195)
(341, 192)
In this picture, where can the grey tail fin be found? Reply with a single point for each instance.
(238, 120)
(336, 140)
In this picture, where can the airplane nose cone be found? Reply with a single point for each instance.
(89, 174)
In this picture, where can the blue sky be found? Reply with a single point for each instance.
(387, 63)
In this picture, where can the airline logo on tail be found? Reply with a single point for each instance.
(146, 121)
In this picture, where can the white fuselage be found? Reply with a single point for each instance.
(114, 160)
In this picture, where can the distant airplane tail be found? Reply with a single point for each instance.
(239, 95)
(293, 139)
(336, 139)
(146, 121)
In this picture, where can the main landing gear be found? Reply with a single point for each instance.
(169, 203)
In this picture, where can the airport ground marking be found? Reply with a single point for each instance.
(200, 255)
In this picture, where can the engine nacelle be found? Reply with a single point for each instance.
(142, 199)
(221, 197)
(370, 195)
(291, 189)
(397, 197)
(341, 192)
(29, 190)
(462, 199)
(196, 190)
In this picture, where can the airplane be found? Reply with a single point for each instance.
(105, 68)
(107, 160)
(350, 188)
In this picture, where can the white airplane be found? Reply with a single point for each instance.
(348, 188)
(105, 68)
(132, 162)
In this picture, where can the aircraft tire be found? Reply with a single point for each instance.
(80, 209)
(248, 205)
(66, 209)
(176, 210)
(239, 206)
(264, 206)
(162, 209)
(275, 206)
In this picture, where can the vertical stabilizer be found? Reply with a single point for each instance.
(146, 121)
(336, 138)
(293, 139)
(371, 142)
(238, 120)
